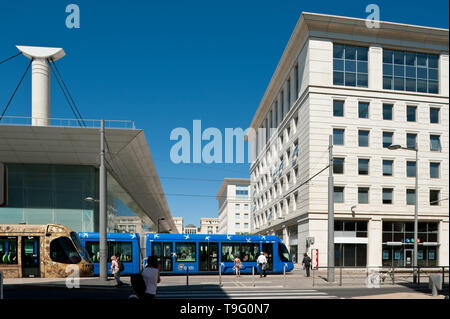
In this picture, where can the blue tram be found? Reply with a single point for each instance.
(206, 253)
(125, 245)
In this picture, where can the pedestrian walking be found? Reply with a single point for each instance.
(262, 263)
(151, 277)
(237, 266)
(307, 263)
(115, 270)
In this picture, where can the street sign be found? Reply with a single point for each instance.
(3, 185)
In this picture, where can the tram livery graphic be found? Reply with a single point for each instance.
(124, 245)
(41, 251)
(206, 253)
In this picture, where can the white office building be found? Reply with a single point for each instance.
(209, 225)
(368, 88)
(234, 206)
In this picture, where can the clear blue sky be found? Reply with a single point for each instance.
(165, 63)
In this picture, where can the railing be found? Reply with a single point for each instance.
(371, 276)
(61, 122)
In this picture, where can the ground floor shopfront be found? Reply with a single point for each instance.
(370, 242)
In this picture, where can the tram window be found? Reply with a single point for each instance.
(79, 246)
(8, 250)
(230, 251)
(121, 249)
(93, 250)
(185, 252)
(63, 251)
(249, 252)
(283, 252)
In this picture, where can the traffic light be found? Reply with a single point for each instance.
(3, 185)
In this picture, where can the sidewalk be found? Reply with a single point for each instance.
(402, 295)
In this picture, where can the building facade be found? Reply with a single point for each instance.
(190, 229)
(368, 89)
(128, 224)
(234, 206)
(179, 224)
(209, 225)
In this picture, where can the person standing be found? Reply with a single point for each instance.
(262, 262)
(151, 277)
(307, 263)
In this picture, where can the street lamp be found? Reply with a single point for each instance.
(416, 206)
(159, 219)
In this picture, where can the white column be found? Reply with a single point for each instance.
(375, 67)
(443, 243)
(285, 236)
(40, 92)
(443, 74)
(374, 246)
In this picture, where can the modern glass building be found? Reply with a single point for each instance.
(53, 169)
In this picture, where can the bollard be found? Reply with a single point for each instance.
(314, 272)
(284, 275)
(253, 276)
(220, 276)
(340, 276)
(187, 276)
(435, 284)
(1, 284)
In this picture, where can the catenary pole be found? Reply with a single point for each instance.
(103, 245)
(330, 269)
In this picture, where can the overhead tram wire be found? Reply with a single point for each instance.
(68, 92)
(14, 93)
(67, 99)
(10, 58)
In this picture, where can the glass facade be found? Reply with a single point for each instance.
(350, 65)
(402, 234)
(410, 71)
(44, 194)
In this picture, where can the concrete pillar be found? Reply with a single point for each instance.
(40, 80)
(443, 75)
(285, 236)
(374, 246)
(443, 234)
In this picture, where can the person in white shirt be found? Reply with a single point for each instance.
(151, 277)
(262, 262)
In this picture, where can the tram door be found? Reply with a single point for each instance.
(30, 257)
(163, 253)
(268, 251)
(208, 257)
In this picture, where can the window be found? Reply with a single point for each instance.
(435, 143)
(245, 225)
(246, 206)
(237, 225)
(410, 197)
(237, 206)
(387, 111)
(8, 250)
(283, 253)
(411, 113)
(363, 110)
(434, 115)
(350, 255)
(410, 169)
(434, 197)
(338, 165)
(245, 216)
(185, 252)
(63, 251)
(410, 71)
(434, 170)
(411, 140)
(363, 138)
(363, 166)
(387, 139)
(338, 136)
(387, 167)
(387, 195)
(363, 195)
(338, 108)
(93, 250)
(121, 249)
(338, 194)
(237, 216)
(248, 252)
(350, 65)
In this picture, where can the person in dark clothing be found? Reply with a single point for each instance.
(307, 262)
